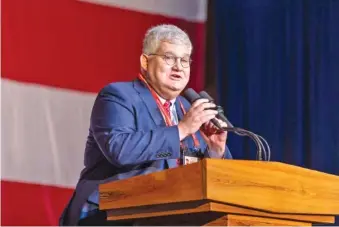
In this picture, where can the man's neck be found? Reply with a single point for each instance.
(162, 100)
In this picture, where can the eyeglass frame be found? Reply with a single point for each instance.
(175, 58)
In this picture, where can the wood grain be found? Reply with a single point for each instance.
(175, 209)
(271, 186)
(190, 219)
(241, 220)
(173, 185)
(213, 188)
(229, 209)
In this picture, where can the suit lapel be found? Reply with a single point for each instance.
(150, 103)
(178, 109)
(188, 141)
(147, 98)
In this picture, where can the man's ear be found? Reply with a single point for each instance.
(143, 62)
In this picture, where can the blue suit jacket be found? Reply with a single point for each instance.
(127, 137)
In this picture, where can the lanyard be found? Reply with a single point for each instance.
(164, 113)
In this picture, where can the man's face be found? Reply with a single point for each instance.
(166, 73)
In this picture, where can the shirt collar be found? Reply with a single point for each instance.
(162, 100)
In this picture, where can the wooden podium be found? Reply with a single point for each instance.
(225, 192)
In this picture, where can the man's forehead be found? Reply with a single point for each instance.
(174, 48)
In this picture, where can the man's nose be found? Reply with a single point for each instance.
(177, 65)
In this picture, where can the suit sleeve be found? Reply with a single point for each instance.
(113, 126)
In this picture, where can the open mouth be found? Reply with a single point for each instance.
(175, 76)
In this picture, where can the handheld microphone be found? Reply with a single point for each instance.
(220, 114)
(192, 96)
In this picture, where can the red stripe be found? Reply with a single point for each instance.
(74, 45)
(32, 204)
(78, 45)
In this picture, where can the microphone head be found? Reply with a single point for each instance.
(191, 95)
(205, 95)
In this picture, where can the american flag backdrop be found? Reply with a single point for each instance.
(55, 56)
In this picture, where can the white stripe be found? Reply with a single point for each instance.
(192, 10)
(44, 131)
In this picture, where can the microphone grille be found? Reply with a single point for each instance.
(191, 95)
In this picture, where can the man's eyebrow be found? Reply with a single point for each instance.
(171, 53)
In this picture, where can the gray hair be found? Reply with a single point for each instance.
(164, 32)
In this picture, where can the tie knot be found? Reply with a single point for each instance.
(167, 105)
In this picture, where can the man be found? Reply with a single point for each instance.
(144, 126)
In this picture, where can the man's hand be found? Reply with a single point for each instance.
(198, 114)
(215, 138)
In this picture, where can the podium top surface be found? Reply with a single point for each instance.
(267, 186)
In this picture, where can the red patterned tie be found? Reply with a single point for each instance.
(167, 106)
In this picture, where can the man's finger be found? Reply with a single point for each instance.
(209, 112)
(199, 102)
(206, 106)
(206, 118)
(222, 123)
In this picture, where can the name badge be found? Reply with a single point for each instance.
(191, 155)
(189, 160)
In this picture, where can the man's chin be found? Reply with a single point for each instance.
(177, 89)
(172, 92)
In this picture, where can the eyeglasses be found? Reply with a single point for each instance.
(171, 60)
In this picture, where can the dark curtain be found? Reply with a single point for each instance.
(277, 66)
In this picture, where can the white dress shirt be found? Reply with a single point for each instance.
(173, 111)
